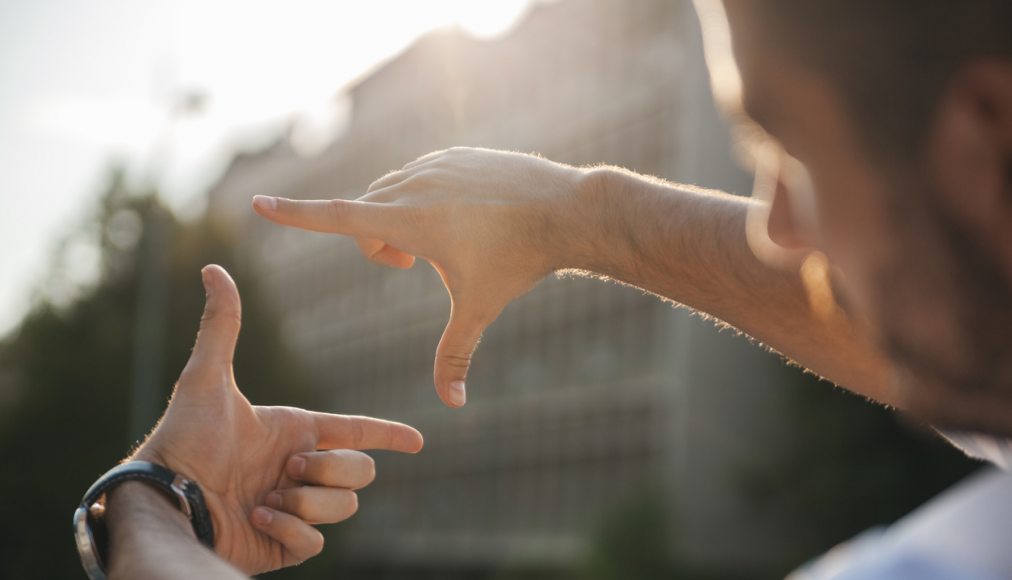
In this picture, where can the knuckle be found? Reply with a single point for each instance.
(416, 182)
(379, 183)
(422, 158)
(381, 193)
(357, 433)
(456, 361)
(412, 215)
(329, 466)
(232, 316)
(336, 209)
(313, 468)
(426, 175)
(220, 316)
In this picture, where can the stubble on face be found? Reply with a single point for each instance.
(946, 318)
(931, 291)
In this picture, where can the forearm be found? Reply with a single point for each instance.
(149, 537)
(690, 246)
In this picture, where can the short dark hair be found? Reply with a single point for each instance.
(890, 60)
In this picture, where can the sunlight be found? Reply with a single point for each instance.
(105, 90)
(288, 64)
(279, 59)
(486, 19)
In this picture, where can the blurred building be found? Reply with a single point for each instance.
(584, 397)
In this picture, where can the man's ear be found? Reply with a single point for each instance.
(969, 152)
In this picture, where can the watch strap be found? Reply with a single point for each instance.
(195, 507)
(188, 493)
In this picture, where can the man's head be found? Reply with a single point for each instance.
(900, 112)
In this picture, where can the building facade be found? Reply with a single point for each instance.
(584, 397)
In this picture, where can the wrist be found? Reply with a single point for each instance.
(594, 215)
(131, 505)
(204, 515)
(138, 512)
(130, 499)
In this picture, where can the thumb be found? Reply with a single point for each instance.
(219, 326)
(453, 355)
(378, 251)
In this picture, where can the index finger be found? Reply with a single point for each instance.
(333, 216)
(353, 432)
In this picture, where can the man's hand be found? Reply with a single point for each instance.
(267, 473)
(492, 224)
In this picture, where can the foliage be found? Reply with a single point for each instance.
(633, 542)
(68, 369)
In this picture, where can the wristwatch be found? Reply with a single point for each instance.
(89, 528)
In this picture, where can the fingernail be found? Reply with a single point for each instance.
(206, 280)
(297, 466)
(262, 516)
(457, 394)
(274, 500)
(265, 202)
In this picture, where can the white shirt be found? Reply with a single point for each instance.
(963, 534)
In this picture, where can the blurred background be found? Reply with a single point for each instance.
(608, 435)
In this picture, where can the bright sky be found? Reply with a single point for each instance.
(85, 82)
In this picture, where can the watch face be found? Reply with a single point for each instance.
(86, 545)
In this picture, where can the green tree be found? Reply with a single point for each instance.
(67, 369)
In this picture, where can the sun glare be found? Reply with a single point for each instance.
(486, 19)
(109, 87)
(289, 62)
(279, 60)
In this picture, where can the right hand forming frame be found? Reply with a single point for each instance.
(491, 223)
